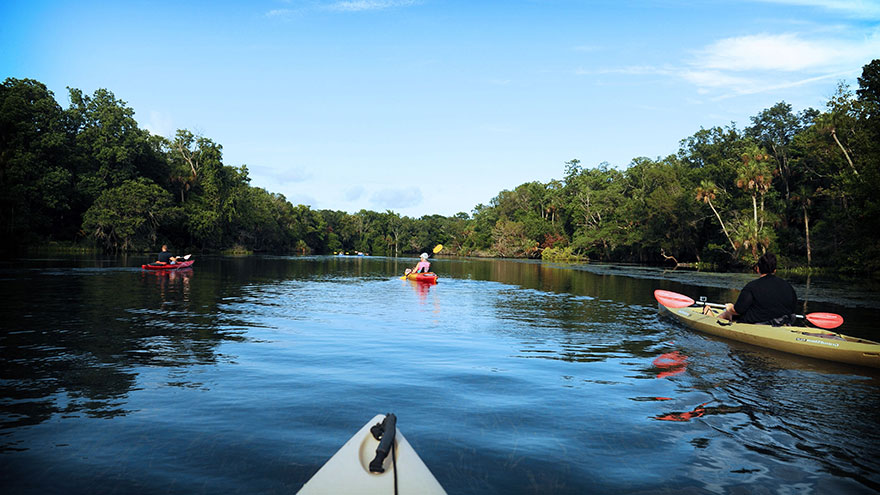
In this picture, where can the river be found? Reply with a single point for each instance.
(243, 375)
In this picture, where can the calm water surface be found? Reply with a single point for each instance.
(244, 375)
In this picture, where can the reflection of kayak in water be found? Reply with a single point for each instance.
(672, 363)
(429, 277)
(175, 266)
(698, 412)
(805, 341)
(365, 465)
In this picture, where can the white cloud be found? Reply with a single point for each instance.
(770, 62)
(778, 52)
(713, 79)
(354, 193)
(365, 5)
(292, 174)
(759, 63)
(278, 13)
(304, 199)
(160, 124)
(397, 198)
(286, 175)
(632, 70)
(340, 6)
(866, 9)
(587, 48)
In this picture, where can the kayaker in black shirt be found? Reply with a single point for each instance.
(769, 300)
(165, 257)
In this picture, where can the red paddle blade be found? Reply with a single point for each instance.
(672, 299)
(825, 320)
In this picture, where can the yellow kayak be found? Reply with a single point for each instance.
(804, 341)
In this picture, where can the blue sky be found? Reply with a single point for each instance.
(429, 106)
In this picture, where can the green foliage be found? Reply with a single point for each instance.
(510, 240)
(801, 184)
(109, 147)
(597, 200)
(127, 217)
(35, 175)
(562, 254)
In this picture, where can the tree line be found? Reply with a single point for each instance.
(802, 184)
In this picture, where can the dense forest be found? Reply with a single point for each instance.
(801, 184)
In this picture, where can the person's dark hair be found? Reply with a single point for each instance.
(767, 263)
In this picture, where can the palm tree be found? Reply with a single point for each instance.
(804, 197)
(756, 176)
(706, 192)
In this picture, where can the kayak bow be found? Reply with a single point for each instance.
(360, 466)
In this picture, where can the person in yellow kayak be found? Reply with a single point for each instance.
(165, 257)
(768, 300)
(424, 266)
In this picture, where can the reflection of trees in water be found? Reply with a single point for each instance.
(574, 328)
(606, 282)
(34, 374)
(75, 338)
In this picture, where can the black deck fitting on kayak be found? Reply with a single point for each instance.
(385, 433)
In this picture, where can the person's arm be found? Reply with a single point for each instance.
(743, 302)
(728, 313)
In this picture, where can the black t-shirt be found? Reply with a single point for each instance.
(165, 257)
(764, 299)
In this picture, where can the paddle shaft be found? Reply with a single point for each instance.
(723, 306)
(186, 257)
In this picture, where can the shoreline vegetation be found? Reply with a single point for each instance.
(88, 179)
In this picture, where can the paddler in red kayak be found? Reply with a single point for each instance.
(423, 266)
(165, 257)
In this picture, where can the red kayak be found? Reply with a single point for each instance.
(175, 266)
(429, 277)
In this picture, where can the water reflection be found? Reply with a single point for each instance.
(74, 337)
(672, 363)
(171, 283)
(421, 288)
(562, 379)
(697, 412)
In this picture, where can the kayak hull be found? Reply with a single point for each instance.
(176, 266)
(428, 278)
(810, 342)
(348, 470)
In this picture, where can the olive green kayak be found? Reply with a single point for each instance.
(804, 341)
(358, 467)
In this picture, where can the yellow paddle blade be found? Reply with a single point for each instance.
(437, 248)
